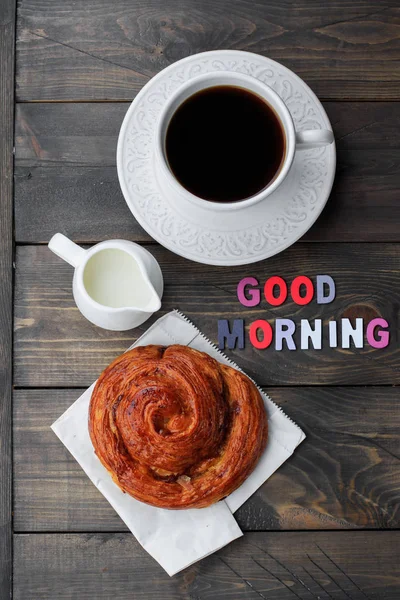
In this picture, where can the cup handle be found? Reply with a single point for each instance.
(66, 249)
(313, 138)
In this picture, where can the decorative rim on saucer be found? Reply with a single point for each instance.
(233, 237)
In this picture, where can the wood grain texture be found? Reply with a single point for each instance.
(7, 40)
(277, 566)
(345, 475)
(54, 346)
(86, 204)
(344, 50)
(66, 179)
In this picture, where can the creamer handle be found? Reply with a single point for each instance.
(66, 249)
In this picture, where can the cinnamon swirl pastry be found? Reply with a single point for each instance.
(175, 428)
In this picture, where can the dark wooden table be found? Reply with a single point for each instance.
(325, 525)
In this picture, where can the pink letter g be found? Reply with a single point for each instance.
(383, 336)
(254, 294)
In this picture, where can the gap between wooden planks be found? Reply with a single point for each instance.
(7, 39)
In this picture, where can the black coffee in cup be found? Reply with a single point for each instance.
(225, 144)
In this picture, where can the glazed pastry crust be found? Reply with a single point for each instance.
(175, 428)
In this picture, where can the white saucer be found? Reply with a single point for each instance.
(234, 237)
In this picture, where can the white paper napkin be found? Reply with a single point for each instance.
(178, 538)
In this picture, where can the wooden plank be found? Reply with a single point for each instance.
(86, 204)
(277, 566)
(66, 177)
(345, 475)
(7, 46)
(68, 134)
(56, 347)
(108, 51)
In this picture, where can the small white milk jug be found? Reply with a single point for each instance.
(117, 284)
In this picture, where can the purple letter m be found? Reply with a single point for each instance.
(230, 337)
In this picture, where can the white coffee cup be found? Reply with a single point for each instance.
(295, 141)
